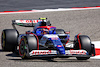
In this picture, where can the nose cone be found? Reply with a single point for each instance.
(61, 49)
(58, 44)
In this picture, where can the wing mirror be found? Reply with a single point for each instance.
(67, 32)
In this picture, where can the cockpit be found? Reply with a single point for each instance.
(40, 31)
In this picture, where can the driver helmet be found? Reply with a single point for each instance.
(45, 31)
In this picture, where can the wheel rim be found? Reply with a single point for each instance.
(21, 48)
(3, 40)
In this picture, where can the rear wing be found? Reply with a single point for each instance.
(26, 23)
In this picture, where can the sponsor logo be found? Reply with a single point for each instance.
(28, 21)
(25, 21)
(59, 46)
(36, 21)
(69, 45)
(54, 38)
(39, 52)
(76, 52)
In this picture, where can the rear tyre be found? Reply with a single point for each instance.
(85, 44)
(27, 44)
(59, 31)
(9, 39)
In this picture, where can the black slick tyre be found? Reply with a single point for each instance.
(85, 43)
(27, 44)
(60, 31)
(82, 58)
(9, 39)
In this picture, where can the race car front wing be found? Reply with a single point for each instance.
(55, 53)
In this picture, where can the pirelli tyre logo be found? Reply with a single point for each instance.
(42, 52)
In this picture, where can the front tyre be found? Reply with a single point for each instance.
(22, 49)
(27, 44)
(83, 42)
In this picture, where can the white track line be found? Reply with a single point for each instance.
(97, 44)
(95, 57)
(67, 9)
(49, 10)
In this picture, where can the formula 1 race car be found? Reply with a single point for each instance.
(45, 41)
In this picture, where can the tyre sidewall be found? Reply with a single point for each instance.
(86, 43)
(11, 36)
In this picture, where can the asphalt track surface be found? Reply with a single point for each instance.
(12, 5)
(86, 22)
